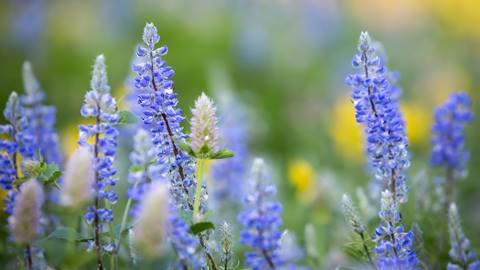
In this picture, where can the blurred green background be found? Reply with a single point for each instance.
(286, 60)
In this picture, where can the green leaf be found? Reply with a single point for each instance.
(200, 227)
(186, 148)
(221, 154)
(49, 173)
(136, 168)
(354, 249)
(127, 117)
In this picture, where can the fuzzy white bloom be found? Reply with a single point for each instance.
(204, 124)
(99, 80)
(30, 82)
(25, 221)
(351, 215)
(77, 188)
(149, 232)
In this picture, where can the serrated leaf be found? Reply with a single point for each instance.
(221, 154)
(200, 227)
(127, 117)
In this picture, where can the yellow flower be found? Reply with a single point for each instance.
(302, 176)
(460, 16)
(345, 132)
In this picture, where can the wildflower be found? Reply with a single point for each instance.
(393, 244)
(143, 170)
(449, 136)
(262, 221)
(150, 224)
(25, 221)
(41, 117)
(375, 98)
(351, 215)
(79, 179)
(100, 105)
(18, 146)
(204, 125)
(226, 245)
(302, 175)
(460, 253)
(161, 116)
(184, 243)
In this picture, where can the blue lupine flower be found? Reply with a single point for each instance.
(41, 118)
(184, 243)
(262, 221)
(144, 169)
(448, 137)
(461, 254)
(160, 114)
(375, 98)
(393, 245)
(228, 174)
(19, 144)
(100, 105)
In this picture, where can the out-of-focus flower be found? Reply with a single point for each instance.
(393, 245)
(17, 148)
(151, 222)
(351, 215)
(204, 124)
(144, 169)
(448, 137)
(25, 222)
(461, 254)
(41, 118)
(461, 16)
(375, 97)
(262, 222)
(302, 176)
(346, 134)
(79, 179)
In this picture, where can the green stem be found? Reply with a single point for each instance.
(199, 177)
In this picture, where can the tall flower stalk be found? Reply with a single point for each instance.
(161, 116)
(448, 139)
(101, 106)
(375, 98)
(261, 220)
(204, 139)
(460, 253)
(41, 117)
(18, 146)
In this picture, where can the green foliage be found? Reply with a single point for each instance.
(127, 117)
(200, 227)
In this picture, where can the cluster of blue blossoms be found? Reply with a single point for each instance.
(376, 101)
(41, 118)
(20, 145)
(154, 89)
(448, 137)
(376, 107)
(101, 106)
(262, 223)
(160, 114)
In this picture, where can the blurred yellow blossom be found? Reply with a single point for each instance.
(302, 176)
(345, 132)
(460, 16)
(418, 121)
